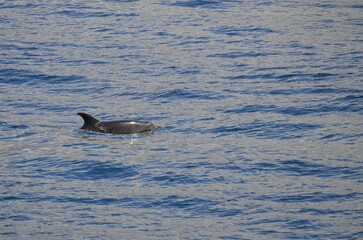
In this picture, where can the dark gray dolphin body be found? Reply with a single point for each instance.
(116, 127)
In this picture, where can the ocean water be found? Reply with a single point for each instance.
(260, 105)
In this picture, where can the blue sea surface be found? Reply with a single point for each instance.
(260, 105)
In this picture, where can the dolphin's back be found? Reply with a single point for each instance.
(126, 127)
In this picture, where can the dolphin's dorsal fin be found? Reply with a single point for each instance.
(89, 121)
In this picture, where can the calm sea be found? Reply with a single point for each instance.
(260, 105)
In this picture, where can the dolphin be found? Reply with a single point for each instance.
(116, 127)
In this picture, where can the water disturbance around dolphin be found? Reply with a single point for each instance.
(116, 127)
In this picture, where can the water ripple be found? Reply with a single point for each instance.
(242, 31)
(311, 197)
(269, 130)
(16, 76)
(261, 105)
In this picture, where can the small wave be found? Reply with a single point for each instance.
(197, 3)
(172, 178)
(241, 54)
(311, 197)
(269, 130)
(241, 31)
(18, 76)
(102, 170)
(121, 1)
(19, 6)
(186, 94)
(180, 202)
(90, 14)
(306, 168)
(291, 77)
(345, 104)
